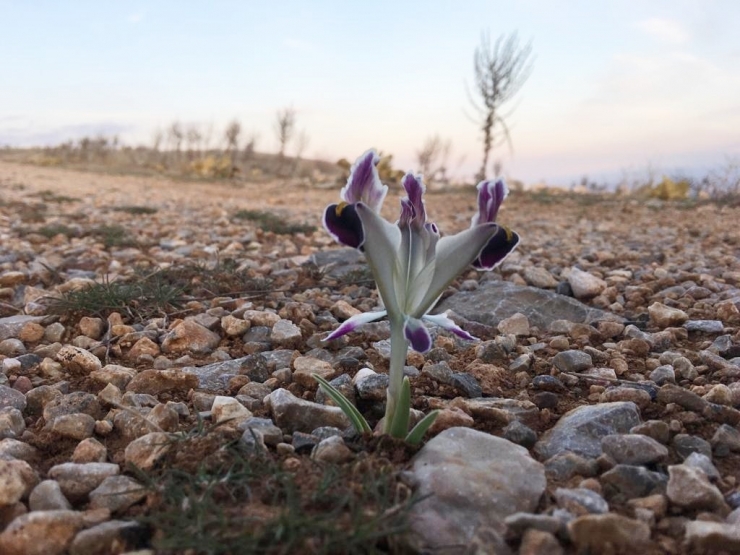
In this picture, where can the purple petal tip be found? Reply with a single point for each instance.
(417, 335)
(364, 183)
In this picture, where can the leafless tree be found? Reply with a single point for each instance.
(285, 127)
(432, 159)
(175, 136)
(157, 138)
(193, 138)
(251, 144)
(500, 72)
(232, 139)
(724, 183)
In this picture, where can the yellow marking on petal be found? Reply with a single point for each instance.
(509, 234)
(340, 208)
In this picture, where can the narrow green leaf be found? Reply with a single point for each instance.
(358, 421)
(416, 435)
(400, 424)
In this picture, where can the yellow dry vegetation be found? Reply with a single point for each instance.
(667, 189)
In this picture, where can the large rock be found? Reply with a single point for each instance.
(664, 316)
(504, 411)
(472, 481)
(306, 367)
(286, 334)
(584, 284)
(216, 376)
(689, 487)
(339, 262)
(78, 360)
(48, 496)
(11, 326)
(17, 478)
(634, 449)
(155, 382)
(627, 481)
(77, 480)
(494, 301)
(41, 533)
(12, 398)
(114, 536)
(711, 537)
(298, 415)
(189, 337)
(581, 429)
(597, 533)
(117, 493)
(145, 452)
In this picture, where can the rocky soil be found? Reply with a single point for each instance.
(599, 412)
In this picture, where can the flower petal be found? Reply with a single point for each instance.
(354, 322)
(415, 191)
(407, 213)
(381, 247)
(453, 254)
(443, 321)
(364, 184)
(343, 223)
(417, 335)
(498, 247)
(490, 197)
(418, 250)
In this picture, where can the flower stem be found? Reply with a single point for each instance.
(399, 350)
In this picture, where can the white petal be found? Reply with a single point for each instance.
(454, 254)
(424, 269)
(443, 321)
(382, 246)
(354, 322)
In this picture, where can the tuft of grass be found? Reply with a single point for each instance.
(148, 294)
(53, 230)
(268, 221)
(140, 299)
(50, 196)
(29, 213)
(225, 278)
(136, 210)
(213, 500)
(113, 236)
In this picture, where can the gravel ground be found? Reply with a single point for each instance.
(599, 412)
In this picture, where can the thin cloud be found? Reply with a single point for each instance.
(298, 44)
(136, 17)
(664, 30)
(30, 135)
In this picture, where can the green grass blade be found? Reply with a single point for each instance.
(358, 421)
(415, 436)
(400, 424)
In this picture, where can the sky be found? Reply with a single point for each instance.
(617, 87)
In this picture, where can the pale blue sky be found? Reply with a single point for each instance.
(617, 85)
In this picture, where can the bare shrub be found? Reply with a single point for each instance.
(432, 159)
(500, 72)
(285, 121)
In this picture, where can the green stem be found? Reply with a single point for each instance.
(399, 350)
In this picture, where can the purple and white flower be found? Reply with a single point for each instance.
(412, 265)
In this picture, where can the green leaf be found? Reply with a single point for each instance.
(416, 435)
(400, 424)
(358, 421)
